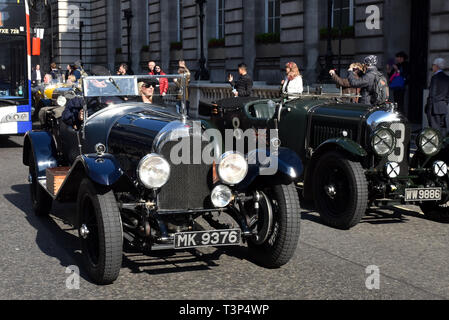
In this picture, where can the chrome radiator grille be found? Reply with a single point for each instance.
(189, 185)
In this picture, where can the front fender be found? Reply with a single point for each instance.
(346, 144)
(104, 170)
(283, 167)
(42, 146)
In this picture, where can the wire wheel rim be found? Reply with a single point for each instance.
(334, 189)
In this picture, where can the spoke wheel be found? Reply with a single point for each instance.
(278, 226)
(100, 232)
(340, 191)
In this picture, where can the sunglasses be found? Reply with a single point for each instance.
(148, 86)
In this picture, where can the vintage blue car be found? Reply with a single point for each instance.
(139, 175)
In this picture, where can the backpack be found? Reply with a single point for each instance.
(381, 91)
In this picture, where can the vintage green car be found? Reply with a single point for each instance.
(355, 156)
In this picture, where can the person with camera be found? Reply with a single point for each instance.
(244, 85)
(358, 70)
(373, 84)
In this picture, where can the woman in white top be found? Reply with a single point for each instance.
(293, 84)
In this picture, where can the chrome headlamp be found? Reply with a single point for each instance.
(153, 171)
(232, 168)
(61, 101)
(221, 196)
(429, 142)
(383, 142)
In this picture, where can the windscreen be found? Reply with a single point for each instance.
(110, 86)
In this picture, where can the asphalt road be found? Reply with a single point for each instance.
(411, 253)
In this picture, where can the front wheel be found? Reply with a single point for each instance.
(278, 226)
(340, 191)
(100, 232)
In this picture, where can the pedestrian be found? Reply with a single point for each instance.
(398, 74)
(373, 85)
(151, 66)
(438, 101)
(163, 82)
(36, 77)
(55, 72)
(75, 72)
(292, 85)
(183, 70)
(67, 73)
(123, 69)
(244, 85)
(359, 70)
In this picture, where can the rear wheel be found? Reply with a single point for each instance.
(278, 226)
(40, 199)
(100, 232)
(340, 191)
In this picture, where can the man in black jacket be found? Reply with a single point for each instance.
(244, 85)
(366, 82)
(438, 101)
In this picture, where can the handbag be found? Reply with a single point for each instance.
(397, 82)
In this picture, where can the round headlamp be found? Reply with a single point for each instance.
(429, 142)
(153, 171)
(221, 196)
(232, 168)
(383, 142)
(61, 101)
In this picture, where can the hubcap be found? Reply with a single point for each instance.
(331, 191)
(84, 231)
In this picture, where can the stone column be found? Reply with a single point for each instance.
(292, 33)
(114, 28)
(139, 31)
(249, 34)
(369, 41)
(234, 34)
(311, 41)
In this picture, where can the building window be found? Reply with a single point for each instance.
(272, 16)
(179, 20)
(344, 10)
(220, 19)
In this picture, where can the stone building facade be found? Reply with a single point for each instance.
(265, 34)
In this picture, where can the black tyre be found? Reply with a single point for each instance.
(436, 212)
(40, 199)
(340, 191)
(282, 233)
(100, 232)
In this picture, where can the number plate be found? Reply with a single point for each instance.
(423, 194)
(213, 238)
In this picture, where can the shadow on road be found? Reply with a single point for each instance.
(58, 242)
(51, 239)
(6, 143)
(375, 216)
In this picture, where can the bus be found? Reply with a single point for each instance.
(15, 68)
